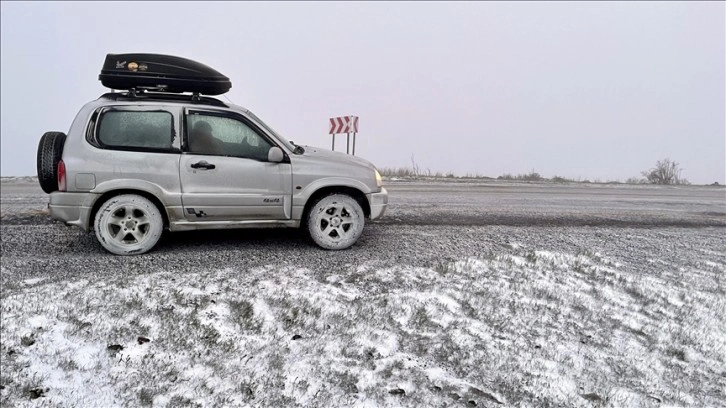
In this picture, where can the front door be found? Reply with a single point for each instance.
(224, 172)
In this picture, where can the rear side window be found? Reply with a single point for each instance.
(143, 130)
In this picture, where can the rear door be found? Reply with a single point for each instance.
(224, 171)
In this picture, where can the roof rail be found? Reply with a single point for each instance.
(143, 94)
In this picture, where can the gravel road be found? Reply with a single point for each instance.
(427, 223)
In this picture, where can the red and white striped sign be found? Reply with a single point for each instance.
(344, 124)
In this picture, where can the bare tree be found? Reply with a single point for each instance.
(666, 171)
(416, 169)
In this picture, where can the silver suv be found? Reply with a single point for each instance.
(138, 162)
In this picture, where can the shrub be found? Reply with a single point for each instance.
(666, 171)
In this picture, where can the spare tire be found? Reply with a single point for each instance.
(50, 149)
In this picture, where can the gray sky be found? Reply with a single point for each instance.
(588, 90)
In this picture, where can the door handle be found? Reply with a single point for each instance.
(203, 165)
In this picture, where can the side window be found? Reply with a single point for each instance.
(143, 130)
(217, 135)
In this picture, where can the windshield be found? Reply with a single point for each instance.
(279, 137)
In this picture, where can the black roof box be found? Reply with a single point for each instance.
(165, 73)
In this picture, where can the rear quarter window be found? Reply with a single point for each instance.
(136, 130)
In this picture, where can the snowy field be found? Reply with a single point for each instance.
(421, 312)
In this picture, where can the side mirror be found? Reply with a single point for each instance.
(275, 155)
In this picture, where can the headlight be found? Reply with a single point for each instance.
(379, 180)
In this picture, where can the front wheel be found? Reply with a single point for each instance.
(336, 221)
(128, 224)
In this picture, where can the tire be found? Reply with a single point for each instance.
(50, 150)
(335, 221)
(128, 224)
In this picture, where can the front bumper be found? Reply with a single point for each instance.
(379, 203)
(72, 208)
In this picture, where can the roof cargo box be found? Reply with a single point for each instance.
(158, 72)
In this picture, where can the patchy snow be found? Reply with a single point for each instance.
(37, 322)
(33, 281)
(189, 291)
(522, 328)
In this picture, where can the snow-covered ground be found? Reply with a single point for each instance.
(465, 293)
(519, 327)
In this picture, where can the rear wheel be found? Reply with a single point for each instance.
(128, 225)
(50, 149)
(336, 221)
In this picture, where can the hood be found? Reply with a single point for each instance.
(318, 152)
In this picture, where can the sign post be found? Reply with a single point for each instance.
(354, 128)
(347, 125)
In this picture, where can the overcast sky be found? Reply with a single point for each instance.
(589, 90)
